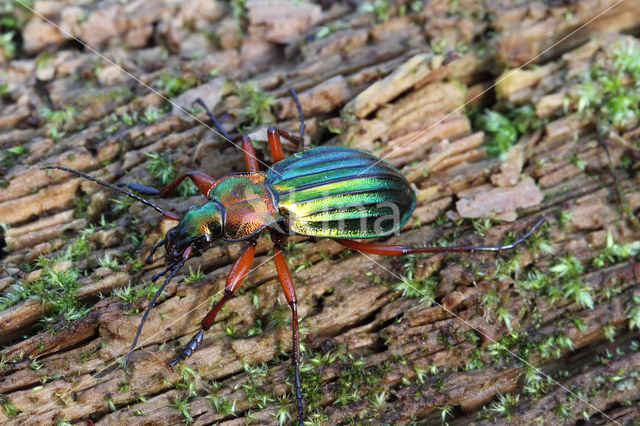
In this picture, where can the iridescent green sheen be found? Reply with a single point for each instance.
(340, 192)
(206, 219)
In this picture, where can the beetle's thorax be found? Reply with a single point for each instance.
(248, 205)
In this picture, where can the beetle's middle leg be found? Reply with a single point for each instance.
(236, 276)
(275, 133)
(275, 145)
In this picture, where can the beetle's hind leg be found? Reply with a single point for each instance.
(394, 250)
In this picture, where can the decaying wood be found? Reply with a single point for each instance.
(387, 84)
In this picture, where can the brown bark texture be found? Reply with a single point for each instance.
(545, 333)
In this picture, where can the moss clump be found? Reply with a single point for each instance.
(257, 104)
(164, 172)
(56, 288)
(176, 84)
(504, 128)
(609, 93)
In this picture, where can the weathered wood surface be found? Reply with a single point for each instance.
(380, 78)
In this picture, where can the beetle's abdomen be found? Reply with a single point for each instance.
(340, 192)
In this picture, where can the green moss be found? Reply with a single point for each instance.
(107, 262)
(257, 103)
(482, 225)
(9, 408)
(221, 405)
(58, 118)
(56, 289)
(416, 289)
(500, 132)
(189, 379)
(130, 295)
(613, 252)
(110, 404)
(164, 172)
(633, 312)
(7, 45)
(181, 405)
(174, 85)
(600, 94)
(502, 408)
(10, 157)
(150, 115)
(380, 9)
(194, 276)
(238, 9)
(503, 129)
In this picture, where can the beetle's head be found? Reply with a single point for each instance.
(198, 228)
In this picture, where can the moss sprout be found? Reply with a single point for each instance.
(181, 405)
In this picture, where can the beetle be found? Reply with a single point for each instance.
(327, 192)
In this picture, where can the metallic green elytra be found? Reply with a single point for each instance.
(340, 192)
(331, 191)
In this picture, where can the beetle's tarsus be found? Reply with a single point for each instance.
(190, 348)
(298, 396)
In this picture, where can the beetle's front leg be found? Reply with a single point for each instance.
(201, 180)
(237, 274)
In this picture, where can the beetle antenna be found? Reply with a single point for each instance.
(213, 119)
(294, 95)
(115, 188)
(174, 268)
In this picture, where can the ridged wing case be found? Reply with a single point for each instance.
(340, 192)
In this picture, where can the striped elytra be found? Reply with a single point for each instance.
(340, 192)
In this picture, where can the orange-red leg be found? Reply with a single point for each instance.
(392, 250)
(236, 276)
(275, 145)
(274, 133)
(290, 294)
(202, 181)
(250, 159)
